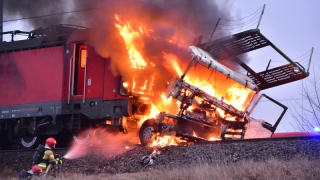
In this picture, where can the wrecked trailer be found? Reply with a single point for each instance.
(203, 114)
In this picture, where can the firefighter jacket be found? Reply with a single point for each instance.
(47, 158)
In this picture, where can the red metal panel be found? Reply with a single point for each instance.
(31, 76)
(111, 83)
(94, 76)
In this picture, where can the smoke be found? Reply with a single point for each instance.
(15, 9)
(181, 20)
(173, 25)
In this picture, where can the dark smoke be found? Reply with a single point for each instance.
(191, 18)
(15, 9)
(177, 20)
(180, 21)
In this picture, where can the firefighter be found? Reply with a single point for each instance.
(48, 156)
(28, 175)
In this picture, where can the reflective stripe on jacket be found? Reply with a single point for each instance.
(47, 158)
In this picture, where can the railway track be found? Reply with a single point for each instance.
(116, 148)
(99, 160)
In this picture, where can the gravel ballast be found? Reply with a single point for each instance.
(100, 161)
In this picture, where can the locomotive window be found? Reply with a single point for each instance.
(83, 58)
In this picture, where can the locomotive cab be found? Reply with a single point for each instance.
(54, 83)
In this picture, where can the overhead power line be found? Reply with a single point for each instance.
(55, 14)
(243, 17)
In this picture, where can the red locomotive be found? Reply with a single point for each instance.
(55, 83)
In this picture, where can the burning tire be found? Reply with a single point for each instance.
(146, 132)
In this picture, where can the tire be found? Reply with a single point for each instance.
(146, 132)
(28, 141)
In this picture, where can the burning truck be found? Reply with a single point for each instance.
(221, 110)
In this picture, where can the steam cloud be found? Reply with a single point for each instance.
(114, 143)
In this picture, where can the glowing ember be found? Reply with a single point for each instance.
(194, 134)
(214, 139)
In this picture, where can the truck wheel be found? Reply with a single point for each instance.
(28, 141)
(146, 132)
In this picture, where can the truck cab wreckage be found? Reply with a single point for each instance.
(198, 118)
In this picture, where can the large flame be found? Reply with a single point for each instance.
(212, 83)
(231, 93)
(131, 38)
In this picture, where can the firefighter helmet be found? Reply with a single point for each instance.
(36, 169)
(51, 142)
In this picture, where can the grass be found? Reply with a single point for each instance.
(245, 170)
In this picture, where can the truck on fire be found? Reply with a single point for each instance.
(221, 108)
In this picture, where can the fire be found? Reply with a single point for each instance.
(130, 37)
(211, 82)
(165, 141)
(194, 134)
(133, 39)
(231, 93)
(214, 139)
(172, 62)
(165, 99)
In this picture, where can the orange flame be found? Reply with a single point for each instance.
(130, 36)
(231, 92)
(161, 141)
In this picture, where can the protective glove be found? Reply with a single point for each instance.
(60, 161)
(54, 162)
